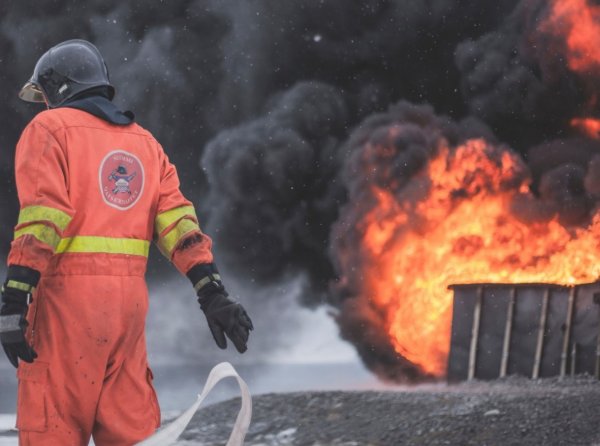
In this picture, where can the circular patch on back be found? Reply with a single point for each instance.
(121, 177)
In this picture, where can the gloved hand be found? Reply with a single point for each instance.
(13, 324)
(224, 316)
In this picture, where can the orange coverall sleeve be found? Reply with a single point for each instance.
(177, 231)
(42, 184)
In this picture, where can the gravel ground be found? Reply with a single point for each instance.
(513, 411)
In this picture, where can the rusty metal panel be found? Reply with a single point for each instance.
(555, 331)
(528, 306)
(491, 332)
(585, 328)
(533, 349)
(462, 325)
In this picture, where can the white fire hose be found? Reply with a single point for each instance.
(169, 434)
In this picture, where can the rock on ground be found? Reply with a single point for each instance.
(512, 411)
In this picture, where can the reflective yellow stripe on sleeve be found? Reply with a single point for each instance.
(44, 233)
(32, 214)
(169, 241)
(107, 245)
(167, 218)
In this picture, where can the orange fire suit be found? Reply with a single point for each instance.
(93, 195)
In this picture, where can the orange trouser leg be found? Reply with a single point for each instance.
(127, 409)
(91, 375)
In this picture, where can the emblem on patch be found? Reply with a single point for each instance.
(121, 176)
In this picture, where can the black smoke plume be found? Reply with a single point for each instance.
(273, 192)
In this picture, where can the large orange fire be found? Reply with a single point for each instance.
(462, 230)
(463, 218)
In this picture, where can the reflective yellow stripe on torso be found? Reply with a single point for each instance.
(106, 245)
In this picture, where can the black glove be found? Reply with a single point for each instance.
(13, 311)
(224, 316)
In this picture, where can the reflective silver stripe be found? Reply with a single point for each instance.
(206, 280)
(10, 322)
(20, 286)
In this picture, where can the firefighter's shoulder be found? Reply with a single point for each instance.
(65, 117)
(52, 119)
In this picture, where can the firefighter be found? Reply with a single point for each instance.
(94, 189)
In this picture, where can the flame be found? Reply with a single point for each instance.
(578, 22)
(461, 230)
(588, 126)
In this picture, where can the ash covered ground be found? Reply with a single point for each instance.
(512, 411)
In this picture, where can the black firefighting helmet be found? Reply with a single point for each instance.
(66, 70)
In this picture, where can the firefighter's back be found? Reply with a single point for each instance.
(112, 174)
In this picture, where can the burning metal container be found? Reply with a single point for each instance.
(535, 330)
